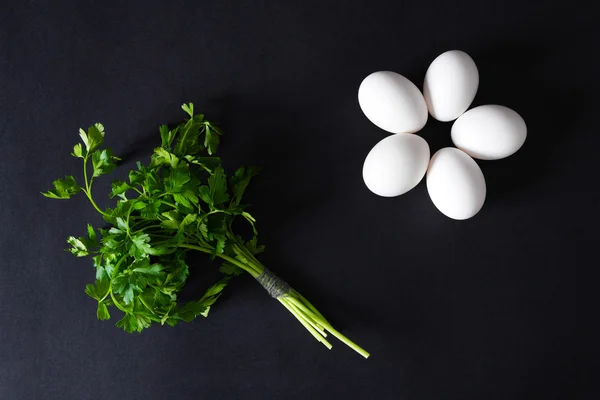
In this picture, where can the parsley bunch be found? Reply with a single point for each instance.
(182, 201)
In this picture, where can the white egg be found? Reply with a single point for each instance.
(450, 85)
(396, 164)
(392, 102)
(455, 183)
(489, 132)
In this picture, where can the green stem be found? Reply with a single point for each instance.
(146, 305)
(209, 213)
(297, 305)
(312, 322)
(308, 304)
(114, 299)
(169, 204)
(107, 293)
(306, 325)
(330, 329)
(252, 271)
(148, 227)
(88, 187)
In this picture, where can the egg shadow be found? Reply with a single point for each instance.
(515, 75)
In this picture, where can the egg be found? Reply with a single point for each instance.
(392, 102)
(450, 85)
(455, 183)
(396, 164)
(489, 132)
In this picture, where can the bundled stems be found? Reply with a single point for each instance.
(294, 302)
(183, 200)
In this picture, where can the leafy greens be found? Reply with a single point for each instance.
(181, 201)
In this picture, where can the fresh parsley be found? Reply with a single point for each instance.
(181, 201)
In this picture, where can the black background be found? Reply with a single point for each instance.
(481, 309)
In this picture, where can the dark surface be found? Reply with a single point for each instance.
(481, 309)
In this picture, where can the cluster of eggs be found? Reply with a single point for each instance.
(399, 162)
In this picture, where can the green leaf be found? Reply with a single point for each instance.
(211, 139)
(172, 221)
(220, 246)
(212, 294)
(134, 322)
(180, 273)
(253, 247)
(188, 108)
(118, 189)
(167, 136)
(125, 286)
(207, 163)
(78, 247)
(204, 193)
(64, 188)
(91, 233)
(239, 182)
(140, 248)
(103, 162)
(181, 199)
(148, 269)
(218, 186)
(178, 177)
(169, 224)
(162, 156)
(187, 142)
(98, 290)
(191, 310)
(203, 228)
(150, 211)
(136, 177)
(78, 151)
(122, 224)
(138, 205)
(187, 221)
(93, 138)
(102, 312)
(229, 269)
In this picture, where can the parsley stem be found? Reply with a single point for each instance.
(311, 321)
(328, 327)
(146, 305)
(209, 213)
(107, 292)
(248, 268)
(148, 227)
(119, 306)
(169, 204)
(88, 187)
(306, 325)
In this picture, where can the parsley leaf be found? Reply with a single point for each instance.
(102, 312)
(103, 162)
(64, 188)
(239, 182)
(93, 138)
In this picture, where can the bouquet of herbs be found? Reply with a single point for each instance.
(181, 201)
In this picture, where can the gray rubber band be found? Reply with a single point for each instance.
(276, 286)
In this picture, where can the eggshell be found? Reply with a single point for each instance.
(455, 183)
(396, 164)
(450, 85)
(392, 102)
(489, 132)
